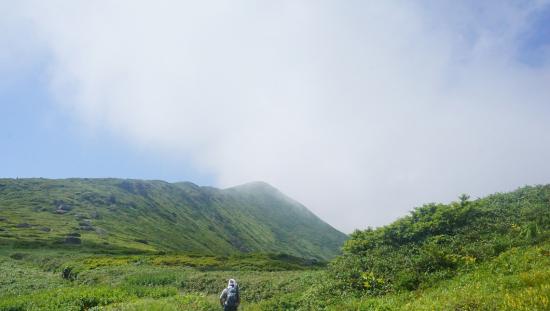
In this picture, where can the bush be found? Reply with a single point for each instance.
(436, 241)
(151, 279)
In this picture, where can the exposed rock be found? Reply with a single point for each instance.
(3, 219)
(60, 211)
(87, 228)
(85, 222)
(135, 187)
(79, 216)
(23, 225)
(75, 234)
(72, 240)
(17, 256)
(101, 231)
(64, 207)
(45, 229)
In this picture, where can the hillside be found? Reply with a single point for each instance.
(439, 241)
(118, 215)
(491, 253)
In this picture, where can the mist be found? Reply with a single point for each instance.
(360, 111)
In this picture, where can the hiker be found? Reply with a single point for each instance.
(230, 298)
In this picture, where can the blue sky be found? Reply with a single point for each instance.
(360, 111)
(40, 140)
(534, 44)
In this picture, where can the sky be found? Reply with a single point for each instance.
(361, 110)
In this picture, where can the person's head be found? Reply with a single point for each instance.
(231, 283)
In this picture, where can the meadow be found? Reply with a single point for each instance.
(491, 253)
(518, 279)
(51, 280)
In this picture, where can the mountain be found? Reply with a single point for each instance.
(139, 216)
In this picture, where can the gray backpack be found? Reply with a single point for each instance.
(232, 296)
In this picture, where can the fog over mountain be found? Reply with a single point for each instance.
(358, 110)
(150, 215)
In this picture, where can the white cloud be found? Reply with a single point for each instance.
(359, 110)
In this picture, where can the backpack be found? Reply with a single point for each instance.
(232, 296)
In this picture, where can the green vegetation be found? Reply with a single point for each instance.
(49, 280)
(517, 279)
(486, 254)
(135, 216)
(438, 241)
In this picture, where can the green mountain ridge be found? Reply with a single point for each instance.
(490, 253)
(151, 216)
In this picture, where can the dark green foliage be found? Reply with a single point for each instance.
(517, 279)
(436, 241)
(151, 279)
(68, 273)
(136, 216)
(17, 256)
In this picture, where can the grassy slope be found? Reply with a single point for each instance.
(488, 254)
(518, 279)
(125, 216)
(437, 240)
(31, 280)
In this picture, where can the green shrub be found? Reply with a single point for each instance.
(437, 241)
(151, 279)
